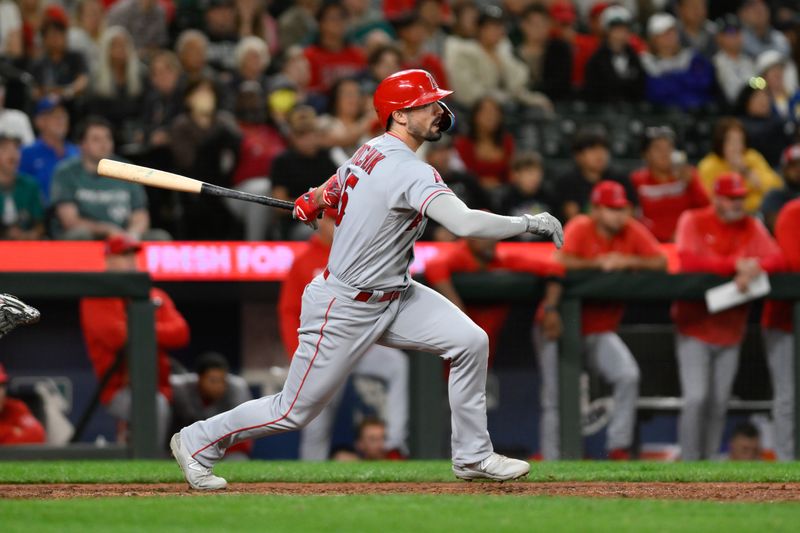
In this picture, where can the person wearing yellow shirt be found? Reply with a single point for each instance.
(730, 153)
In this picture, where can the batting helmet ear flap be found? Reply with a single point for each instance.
(448, 120)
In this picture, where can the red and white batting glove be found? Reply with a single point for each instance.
(306, 209)
(332, 192)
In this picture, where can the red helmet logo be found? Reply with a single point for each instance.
(405, 89)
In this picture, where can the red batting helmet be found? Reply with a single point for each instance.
(410, 88)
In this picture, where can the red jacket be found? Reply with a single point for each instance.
(707, 244)
(328, 66)
(481, 167)
(662, 202)
(105, 330)
(18, 425)
(778, 313)
(583, 240)
(460, 259)
(304, 268)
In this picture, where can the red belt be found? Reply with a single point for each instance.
(364, 296)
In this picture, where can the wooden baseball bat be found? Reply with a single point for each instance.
(175, 182)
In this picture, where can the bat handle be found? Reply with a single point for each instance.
(216, 190)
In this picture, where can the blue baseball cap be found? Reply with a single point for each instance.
(48, 103)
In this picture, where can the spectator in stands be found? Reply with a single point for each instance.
(305, 163)
(84, 35)
(548, 58)
(21, 212)
(192, 50)
(487, 67)
(261, 144)
(223, 34)
(696, 31)
(17, 423)
(205, 141)
(390, 365)
(252, 60)
(58, 72)
(364, 18)
(730, 153)
(482, 255)
(145, 20)
(253, 19)
(40, 158)
(614, 73)
(117, 86)
(734, 68)
(766, 132)
(297, 23)
(526, 192)
(435, 16)
(721, 239)
(564, 17)
(381, 62)
(444, 159)
(349, 122)
(592, 157)
(607, 240)
(785, 103)
(676, 76)
(290, 86)
(10, 30)
(88, 206)
(759, 35)
(744, 444)
(163, 100)
(778, 333)
(210, 390)
(13, 121)
(463, 30)
(104, 322)
(667, 185)
(371, 441)
(330, 57)
(411, 37)
(488, 147)
(776, 199)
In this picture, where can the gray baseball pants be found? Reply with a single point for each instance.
(707, 372)
(391, 366)
(335, 331)
(779, 347)
(607, 355)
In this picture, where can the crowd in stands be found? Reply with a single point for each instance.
(634, 122)
(269, 96)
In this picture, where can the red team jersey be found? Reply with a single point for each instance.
(327, 66)
(778, 314)
(582, 240)
(662, 202)
(105, 329)
(18, 425)
(706, 244)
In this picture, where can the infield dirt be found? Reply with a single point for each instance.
(743, 492)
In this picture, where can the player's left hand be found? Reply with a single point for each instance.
(546, 225)
(15, 312)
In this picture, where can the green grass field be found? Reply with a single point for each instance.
(389, 513)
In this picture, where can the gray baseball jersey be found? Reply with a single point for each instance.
(385, 191)
(367, 297)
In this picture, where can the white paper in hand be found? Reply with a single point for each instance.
(727, 295)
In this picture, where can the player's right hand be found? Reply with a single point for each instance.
(306, 209)
(546, 225)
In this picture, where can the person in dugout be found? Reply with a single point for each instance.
(17, 424)
(104, 322)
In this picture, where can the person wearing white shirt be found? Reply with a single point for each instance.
(14, 122)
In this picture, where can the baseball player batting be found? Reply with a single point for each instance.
(366, 295)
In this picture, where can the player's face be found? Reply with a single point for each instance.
(371, 443)
(212, 384)
(423, 121)
(744, 449)
(611, 219)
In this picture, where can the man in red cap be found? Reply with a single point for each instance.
(104, 322)
(720, 239)
(17, 424)
(610, 240)
(775, 199)
(776, 321)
